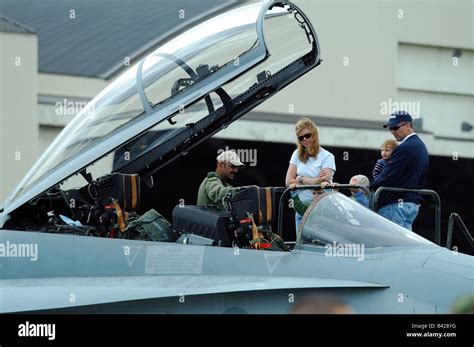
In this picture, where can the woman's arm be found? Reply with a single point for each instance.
(290, 175)
(324, 176)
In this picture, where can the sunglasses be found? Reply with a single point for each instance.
(395, 128)
(304, 137)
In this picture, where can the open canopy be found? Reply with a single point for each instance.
(179, 95)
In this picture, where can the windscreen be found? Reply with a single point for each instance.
(335, 218)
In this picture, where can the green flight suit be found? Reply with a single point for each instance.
(212, 190)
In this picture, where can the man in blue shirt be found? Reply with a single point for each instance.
(407, 168)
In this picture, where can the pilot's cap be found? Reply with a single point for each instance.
(397, 118)
(230, 157)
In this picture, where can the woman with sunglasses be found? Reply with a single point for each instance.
(310, 164)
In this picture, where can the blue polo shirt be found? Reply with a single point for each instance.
(406, 168)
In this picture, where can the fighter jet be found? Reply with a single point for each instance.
(65, 239)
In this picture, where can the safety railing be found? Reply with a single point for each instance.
(429, 192)
(454, 217)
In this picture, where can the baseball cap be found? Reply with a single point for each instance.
(397, 118)
(230, 157)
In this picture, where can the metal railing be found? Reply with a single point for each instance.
(454, 217)
(429, 192)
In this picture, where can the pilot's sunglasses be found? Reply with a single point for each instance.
(304, 137)
(395, 128)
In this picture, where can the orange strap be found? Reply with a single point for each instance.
(120, 220)
(268, 196)
(255, 235)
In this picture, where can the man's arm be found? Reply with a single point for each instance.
(389, 177)
(216, 190)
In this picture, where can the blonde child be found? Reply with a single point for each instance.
(386, 150)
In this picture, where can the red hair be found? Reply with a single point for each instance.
(313, 150)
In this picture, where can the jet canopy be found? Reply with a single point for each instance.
(182, 93)
(335, 218)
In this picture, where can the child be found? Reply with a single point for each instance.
(358, 194)
(386, 151)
